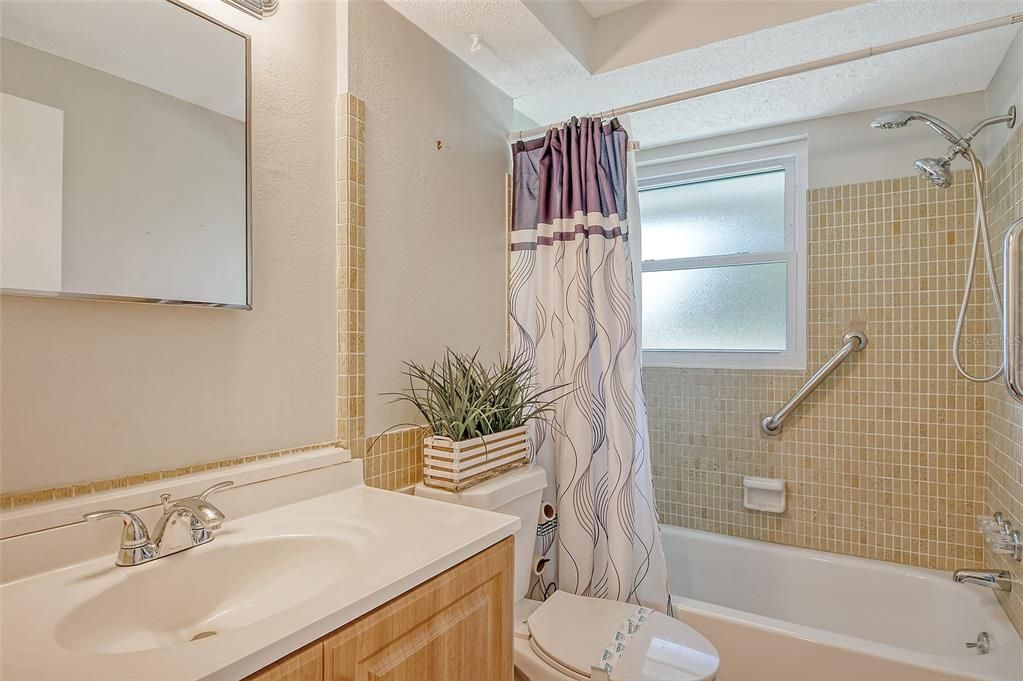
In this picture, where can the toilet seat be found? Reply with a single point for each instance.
(570, 634)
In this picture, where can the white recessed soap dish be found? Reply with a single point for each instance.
(763, 494)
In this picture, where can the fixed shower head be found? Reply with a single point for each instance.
(935, 170)
(900, 119)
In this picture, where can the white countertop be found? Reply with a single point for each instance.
(392, 542)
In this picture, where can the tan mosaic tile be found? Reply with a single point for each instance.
(351, 273)
(394, 460)
(1004, 422)
(886, 460)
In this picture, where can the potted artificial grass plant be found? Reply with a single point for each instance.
(478, 415)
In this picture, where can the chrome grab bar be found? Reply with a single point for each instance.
(1012, 319)
(854, 341)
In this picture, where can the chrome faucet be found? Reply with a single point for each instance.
(1000, 580)
(169, 536)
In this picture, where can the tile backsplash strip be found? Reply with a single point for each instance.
(394, 460)
(351, 273)
(1004, 426)
(886, 459)
(15, 499)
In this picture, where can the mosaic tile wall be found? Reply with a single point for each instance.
(351, 273)
(394, 460)
(1004, 424)
(886, 460)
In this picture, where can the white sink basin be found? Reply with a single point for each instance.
(300, 555)
(203, 592)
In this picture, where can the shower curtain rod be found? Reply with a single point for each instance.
(793, 70)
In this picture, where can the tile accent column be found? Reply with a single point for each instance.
(351, 273)
(391, 460)
(394, 460)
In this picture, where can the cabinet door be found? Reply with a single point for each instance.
(305, 665)
(456, 627)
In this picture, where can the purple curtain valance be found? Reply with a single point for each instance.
(575, 170)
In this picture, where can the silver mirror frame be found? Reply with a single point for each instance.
(248, 195)
(257, 8)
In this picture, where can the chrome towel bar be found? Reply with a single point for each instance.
(1012, 332)
(854, 341)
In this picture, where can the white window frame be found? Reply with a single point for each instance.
(788, 156)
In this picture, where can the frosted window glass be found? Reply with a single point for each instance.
(743, 214)
(740, 307)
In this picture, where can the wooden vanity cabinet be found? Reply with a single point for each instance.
(302, 665)
(455, 627)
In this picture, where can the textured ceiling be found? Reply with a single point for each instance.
(951, 67)
(881, 81)
(598, 8)
(518, 54)
(525, 60)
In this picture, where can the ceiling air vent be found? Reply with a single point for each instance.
(257, 8)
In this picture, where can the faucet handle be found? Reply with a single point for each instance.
(134, 535)
(982, 644)
(215, 488)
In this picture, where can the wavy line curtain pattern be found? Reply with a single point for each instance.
(574, 314)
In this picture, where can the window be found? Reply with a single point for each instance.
(723, 272)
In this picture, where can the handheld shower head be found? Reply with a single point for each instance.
(935, 170)
(891, 120)
(900, 119)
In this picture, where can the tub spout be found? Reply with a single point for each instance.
(999, 580)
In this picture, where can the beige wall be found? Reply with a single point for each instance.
(435, 235)
(93, 390)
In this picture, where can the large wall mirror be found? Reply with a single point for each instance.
(124, 153)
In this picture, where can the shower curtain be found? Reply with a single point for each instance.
(573, 313)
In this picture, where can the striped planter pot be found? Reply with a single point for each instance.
(457, 466)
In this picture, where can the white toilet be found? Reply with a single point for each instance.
(567, 636)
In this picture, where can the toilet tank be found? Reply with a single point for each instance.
(517, 493)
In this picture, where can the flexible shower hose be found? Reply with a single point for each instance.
(980, 237)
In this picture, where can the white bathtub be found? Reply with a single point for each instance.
(777, 613)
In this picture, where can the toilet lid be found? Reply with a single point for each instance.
(576, 631)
